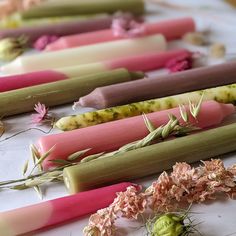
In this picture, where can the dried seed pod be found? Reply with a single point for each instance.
(217, 50)
(195, 38)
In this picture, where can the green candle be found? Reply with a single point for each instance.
(81, 7)
(151, 159)
(60, 92)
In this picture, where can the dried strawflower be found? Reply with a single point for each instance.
(10, 48)
(42, 42)
(129, 203)
(217, 50)
(42, 114)
(195, 38)
(127, 27)
(180, 63)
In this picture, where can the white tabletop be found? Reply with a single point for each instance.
(218, 218)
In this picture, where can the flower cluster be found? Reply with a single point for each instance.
(42, 42)
(180, 63)
(184, 185)
(125, 26)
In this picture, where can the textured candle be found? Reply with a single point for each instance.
(87, 54)
(112, 135)
(41, 215)
(171, 29)
(80, 7)
(143, 62)
(60, 92)
(224, 94)
(58, 29)
(150, 160)
(162, 85)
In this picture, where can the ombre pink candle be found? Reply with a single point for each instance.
(171, 29)
(112, 135)
(34, 217)
(144, 62)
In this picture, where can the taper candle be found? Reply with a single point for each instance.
(171, 29)
(151, 159)
(145, 62)
(112, 135)
(26, 219)
(81, 7)
(60, 92)
(58, 29)
(86, 54)
(224, 94)
(162, 85)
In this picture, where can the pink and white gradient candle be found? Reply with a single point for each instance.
(171, 29)
(112, 135)
(144, 62)
(41, 215)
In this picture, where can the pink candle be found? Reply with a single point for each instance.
(171, 29)
(145, 62)
(112, 135)
(30, 218)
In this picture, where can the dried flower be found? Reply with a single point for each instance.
(195, 38)
(42, 42)
(168, 225)
(180, 63)
(127, 27)
(42, 114)
(2, 128)
(101, 223)
(217, 50)
(130, 203)
(10, 48)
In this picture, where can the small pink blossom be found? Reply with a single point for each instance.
(42, 42)
(129, 203)
(42, 114)
(127, 27)
(180, 63)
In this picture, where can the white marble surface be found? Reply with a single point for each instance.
(218, 218)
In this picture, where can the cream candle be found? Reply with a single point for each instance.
(112, 135)
(60, 92)
(171, 29)
(151, 159)
(87, 54)
(161, 86)
(224, 94)
(41, 215)
(144, 62)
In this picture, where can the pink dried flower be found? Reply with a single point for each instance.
(159, 193)
(101, 223)
(42, 114)
(130, 203)
(180, 63)
(127, 27)
(42, 42)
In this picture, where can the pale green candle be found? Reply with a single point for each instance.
(60, 92)
(151, 159)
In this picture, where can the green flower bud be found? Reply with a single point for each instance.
(10, 48)
(168, 225)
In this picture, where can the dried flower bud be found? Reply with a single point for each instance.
(10, 48)
(168, 225)
(195, 38)
(217, 50)
(2, 128)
